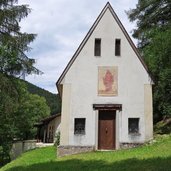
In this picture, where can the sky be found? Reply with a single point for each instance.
(60, 26)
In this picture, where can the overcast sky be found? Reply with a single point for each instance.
(60, 26)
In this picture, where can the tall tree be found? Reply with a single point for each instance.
(19, 110)
(158, 58)
(10, 94)
(31, 110)
(153, 18)
(14, 43)
(13, 62)
(149, 15)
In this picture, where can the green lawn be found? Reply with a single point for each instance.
(152, 157)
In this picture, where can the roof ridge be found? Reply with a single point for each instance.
(84, 40)
(107, 6)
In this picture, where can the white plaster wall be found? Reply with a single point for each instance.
(83, 77)
(56, 126)
(66, 111)
(148, 112)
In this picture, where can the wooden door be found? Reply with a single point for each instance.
(106, 136)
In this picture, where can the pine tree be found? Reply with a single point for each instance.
(153, 19)
(13, 62)
(149, 15)
(13, 43)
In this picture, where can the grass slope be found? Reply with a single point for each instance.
(152, 157)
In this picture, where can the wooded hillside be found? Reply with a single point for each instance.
(53, 100)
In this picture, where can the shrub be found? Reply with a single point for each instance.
(57, 137)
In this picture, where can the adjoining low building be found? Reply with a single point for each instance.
(106, 91)
(48, 128)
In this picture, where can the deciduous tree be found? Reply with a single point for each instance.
(153, 19)
(31, 110)
(11, 91)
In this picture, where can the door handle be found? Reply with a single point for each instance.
(106, 131)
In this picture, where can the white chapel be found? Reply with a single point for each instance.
(106, 91)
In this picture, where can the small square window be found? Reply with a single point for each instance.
(133, 125)
(79, 126)
(97, 47)
(117, 47)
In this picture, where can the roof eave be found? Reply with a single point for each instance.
(82, 44)
(107, 6)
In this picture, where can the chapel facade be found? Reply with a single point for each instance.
(106, 91)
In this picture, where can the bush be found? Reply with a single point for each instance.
(163, 127)
(57, 137)
(4, 156)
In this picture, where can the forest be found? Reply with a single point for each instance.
(52, 100)
(153, 32)
(19, 109)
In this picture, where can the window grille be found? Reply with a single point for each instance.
(133, 125)
(79, 126)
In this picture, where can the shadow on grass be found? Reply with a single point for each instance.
(155, 164)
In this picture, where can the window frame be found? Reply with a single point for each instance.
(117, 47)
(137, 122)
(97, 47)
(76, 122)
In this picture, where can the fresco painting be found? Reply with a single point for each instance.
(108, 81)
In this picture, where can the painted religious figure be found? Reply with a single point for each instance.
(108, 81)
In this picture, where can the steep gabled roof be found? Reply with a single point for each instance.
(107, 6)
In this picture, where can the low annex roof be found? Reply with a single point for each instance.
(46, 120)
